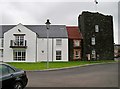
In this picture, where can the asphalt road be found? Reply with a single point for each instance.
(103, 75)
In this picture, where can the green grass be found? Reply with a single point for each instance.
(42, 65)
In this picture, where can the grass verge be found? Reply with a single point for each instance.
(42, 65)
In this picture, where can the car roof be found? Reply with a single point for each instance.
(2, 63)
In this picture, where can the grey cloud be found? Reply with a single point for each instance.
(58, 12)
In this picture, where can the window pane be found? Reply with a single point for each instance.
(58, 41)
(5, 70)
(96, 28)
(93, 51)
(76, 43)
(23, 53)
(93, 54)
(76, 54)
(58, 58)
(11, 70)
(93, 40)
(58, 55)
(19, 55)
(19, 40)
(58, 52)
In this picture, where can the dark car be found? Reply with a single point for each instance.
(12, 78)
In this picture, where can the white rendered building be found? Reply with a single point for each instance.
(28, 43)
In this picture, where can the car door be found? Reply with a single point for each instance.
(7, 76)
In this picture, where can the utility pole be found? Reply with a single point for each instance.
(48, 27)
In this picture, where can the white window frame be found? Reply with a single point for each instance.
(59, 55)
(93, 40)
(96, 28)
(58, 42)
(76, 43)
(18, 40)
(93, 54)
(21, 57)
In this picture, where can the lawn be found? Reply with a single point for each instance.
(42, 65)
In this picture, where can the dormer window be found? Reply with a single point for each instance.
(96, 28)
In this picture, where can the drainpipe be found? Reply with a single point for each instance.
(36, 48)
(52, 48)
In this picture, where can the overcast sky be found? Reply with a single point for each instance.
(58, 11)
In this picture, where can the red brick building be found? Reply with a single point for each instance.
(75, 39)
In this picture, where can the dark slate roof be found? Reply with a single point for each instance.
(4, 28)
(55, 31)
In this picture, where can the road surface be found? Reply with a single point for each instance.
(102, 75)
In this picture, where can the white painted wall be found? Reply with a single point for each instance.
(30, 36)
(42, 46)
(63, 48)
(36, 50)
